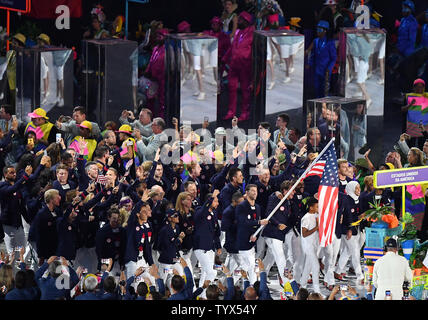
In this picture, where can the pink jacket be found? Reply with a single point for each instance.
(156, 66)
(239, 54)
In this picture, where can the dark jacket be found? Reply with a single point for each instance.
(139, 238)
(248, 218)
(45, 230)
(111, 243)
(206, 235)
(169, 244)
(12, 203)
(229, 226)
(281, 216)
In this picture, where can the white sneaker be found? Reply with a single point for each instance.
(271, 85)
(380, 81)
(61, 102)
(183, 81)
(286, 80)
(196, 93)
(213, 83)
(201, 96)
(291, 69)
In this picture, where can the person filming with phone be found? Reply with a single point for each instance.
(390, 272)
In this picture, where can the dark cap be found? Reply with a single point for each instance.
(391, 243)
(171, 213)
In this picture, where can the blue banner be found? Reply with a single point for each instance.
(14, 5)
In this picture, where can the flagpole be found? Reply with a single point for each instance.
(295, 185)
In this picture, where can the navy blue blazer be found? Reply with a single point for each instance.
(169, 243)
(248, 218)
(281, 216)
(111, 243)
(229, 226)
(139, 238)
(206, 235)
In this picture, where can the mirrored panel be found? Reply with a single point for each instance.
(279, 61)
(110, 78)
(192, 84)
(362, 76)
(44, 77)
(365, 67)
(342, 118)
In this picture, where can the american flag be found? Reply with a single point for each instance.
(328, 193)
(317, 169)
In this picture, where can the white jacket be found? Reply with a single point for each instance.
(389, 273)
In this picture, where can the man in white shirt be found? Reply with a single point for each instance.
(390, 272)
(143, 123)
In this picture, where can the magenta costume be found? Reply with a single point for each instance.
(156, 71)
(238, 57)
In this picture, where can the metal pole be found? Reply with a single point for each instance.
(295, 185)
(8, 29)
(403, 200)
(126, 20)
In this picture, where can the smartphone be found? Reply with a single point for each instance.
(45, 153)
(168, 270)
(257, 269)
(237, 272)
(343, 287)
(105, 261)
(30, 141)
(58, 138)
(206, 119)
(387, 293)
(85, 270)
(17, 249)
(217, 267)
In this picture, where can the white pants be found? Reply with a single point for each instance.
(352, 251)
(361, 68)
(197, 62)
(311, 266)
(13, 237)
(233, 263)
(87, 258)
(44, 69)
(261, 247)
(115, 271)
(277, 251)
(59, 72)
(26, 226)
(206, 259)
(269, 51)
(248, 263)
(330, 256)
(214, 58)
(34, 259)
(190, 259)
(362, 239)
(295, 255)
(155, 256)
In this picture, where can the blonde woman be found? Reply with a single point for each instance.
(184, 208)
